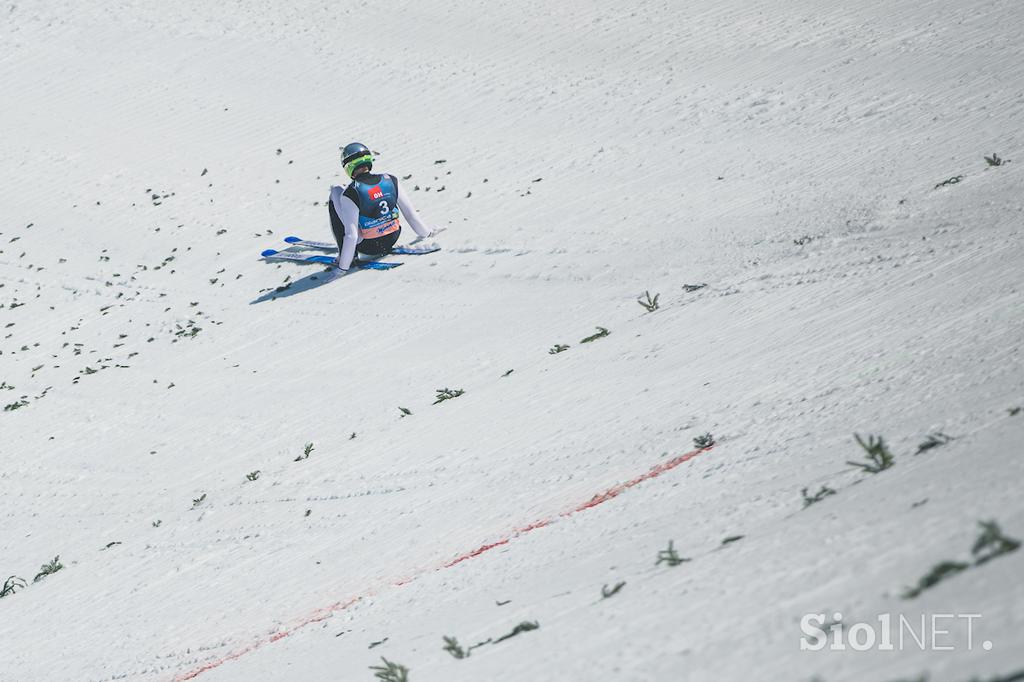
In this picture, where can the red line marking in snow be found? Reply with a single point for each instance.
(617, 490)
(326, 612)
(477, 552)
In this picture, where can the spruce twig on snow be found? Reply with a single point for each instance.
(601, 333)
(937, 574)
(670, 556)
(48, 569)
(16, 405)
(451, 645)
(878, 455)
(704, 441)
(934, 440)
(444, 394)
(607, 592)
(525, 626)
(816, 497)
(990, 544)
(651, 304)
(994, 160)
(390, 671)
(305, 453)
(956, 179)
(10, 585)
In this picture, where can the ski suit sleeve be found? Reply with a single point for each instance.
(349, 214)
(410, 214)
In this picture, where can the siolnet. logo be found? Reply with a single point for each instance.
(894, 632)
(376, 192)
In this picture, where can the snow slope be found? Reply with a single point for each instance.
(786, 154)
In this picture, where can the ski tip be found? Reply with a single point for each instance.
(292, 240)
(268, 252)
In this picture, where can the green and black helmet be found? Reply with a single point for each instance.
(355, 155)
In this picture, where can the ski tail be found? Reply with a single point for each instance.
(377, 265)
(274, 254)
(415, 250)
(299, 241)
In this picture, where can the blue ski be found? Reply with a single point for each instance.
(328, 246)
(273, 254)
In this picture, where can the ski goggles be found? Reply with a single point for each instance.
(355, 162)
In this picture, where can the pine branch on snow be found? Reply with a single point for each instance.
(816, 497)
(444, 394)
(525, 626)
(934, 440)
(995, 161)
(10, 585)
(601, 333)
(990, 544)
(670, 556)
(305, 453)
(651, 304)
(704, 441)
(939, 572)
(390, 671)
(48, 569)
(451, 645)
(607, 592)
(878, 455)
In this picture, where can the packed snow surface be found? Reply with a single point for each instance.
(237, 470)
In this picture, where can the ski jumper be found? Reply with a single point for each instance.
(366, 216)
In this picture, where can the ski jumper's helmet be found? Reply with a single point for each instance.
(355, 155)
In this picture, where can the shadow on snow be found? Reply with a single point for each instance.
(308, 282)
